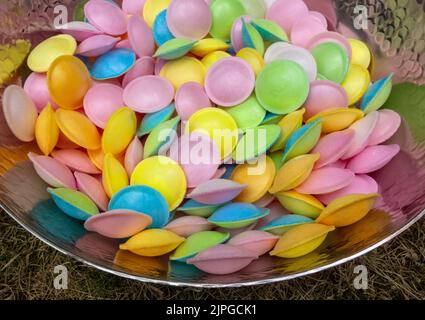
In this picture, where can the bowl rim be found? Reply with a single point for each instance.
(174, 283)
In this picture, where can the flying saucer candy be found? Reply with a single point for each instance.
(332, 147)
(198, 242)
(325, 180)
(76, 160)
(78, 129)
(288, 125)
(74, 203)
(36, 88)
(362, 128)
(189, 19)
(174, 48)
(93, 188)
(256, 241)
(186, 226)
(388, 123)
(46, 130)
(251, 38)
(236, 36)
(218, 125)
(218, 191)
(301, 240)
(113, 64)
(152, 242)
(330, 37)
(114, 176)
(237, 215)
(43, 55)
(164, 175)
(80, 30)
(269, 30)
(137, 30)
(133, 155)
(198, 168)
(152, 8)
(106, 16)
(148, 94)
(256, 142)
(362, 184)
(255, 8)
(152, 120)
(282, 86)
(373, 158)
(324, 95)
(229, 82)
(119, 131)
(191, 97)
(161, 137)
(101, 101)
(332, 61)
(161, 32)
(249, 114)
(301, 204)
(131, 7)
(337, 119)
(356, 83)
(224, 12)
(377, 94)
(303, 30)
(208, 45)
(145, 66)
(257, 177)
(194, 208)
(52, 171)
(96, 45)
(118, 224)
(303, 140)
(68, 81)
(185, 69)
(286, 13)
(284, 223)
(361, 53)
(223, 259)
(142, 199)
(347, 210)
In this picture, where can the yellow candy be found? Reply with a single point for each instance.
(301, 240)
(78, 128)
(152, 8)
(140, 264)
(164, 175)
(294, 172)
(213, 57)
(337, 119)
(208, 45)
(43, 55)
(46, 130)
(356, 83)
(289, 124)
(258, 177)
(114, 175)
(361, 55)
(254, 59)
(186, 69)
(68, 81)
(347, 210)
(218, 125)
(152, 242)
(302, 204)
(119, 131)
(97, 156)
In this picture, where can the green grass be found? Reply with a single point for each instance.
(396, 271)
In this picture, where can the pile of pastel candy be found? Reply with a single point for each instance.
(125, 101)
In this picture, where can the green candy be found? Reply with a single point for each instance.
(252, 38)
(198, 242)
(249, 114)
(224, 13)
(161, 136)
(255, 8)
(269, 30)
(332, 61)
(282, 87)
(174, 49)
(256, 142)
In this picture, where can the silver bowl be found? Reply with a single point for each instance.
(394, 31)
